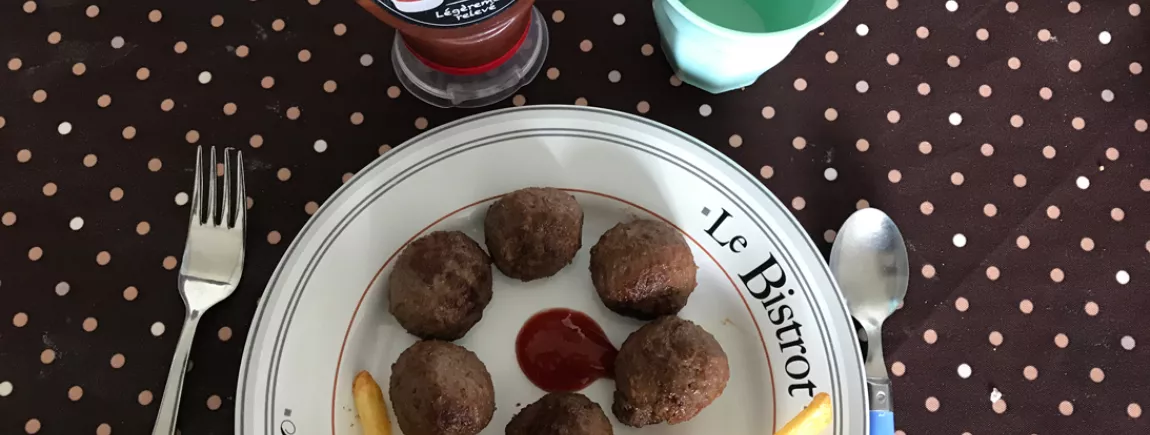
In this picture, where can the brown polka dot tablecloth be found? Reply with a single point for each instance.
(1007, 139)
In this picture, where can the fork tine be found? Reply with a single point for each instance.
(241, 196)
(197, 189)
(226, 215)
(213, 216)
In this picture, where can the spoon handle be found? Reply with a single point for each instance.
(881, 423)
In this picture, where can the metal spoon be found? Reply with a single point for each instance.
(869, 261)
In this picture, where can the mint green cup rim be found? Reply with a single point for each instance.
(818, 20)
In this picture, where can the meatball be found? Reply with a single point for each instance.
(643, 269)
(440, 285)
(561, 414)
(532, 233)
(668, 371)
(439, 388)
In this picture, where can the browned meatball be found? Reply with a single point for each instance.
(561, 414)
(643, 269)
(668, 371)
(439, 388)
(532, 233)
(440, 285)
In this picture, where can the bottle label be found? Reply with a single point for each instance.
(444, 13)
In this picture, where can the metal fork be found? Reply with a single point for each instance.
(212, 264)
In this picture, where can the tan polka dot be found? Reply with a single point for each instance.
(552, 74)
(293, 113)
(990, 210)
(267, 82)
(242, 51)
(1061, 340)
(892, 4)
(558, 16)
(676, 81)
(1000, 405)
(75, 393)
(932, 404)
(92, 11)
(143, 74)
(893, 116)
(421, 122)
(1026, 306)
(19, 320)
(217, 20)
(224, 334)
(961, 304)
(192, 136)
(104, 429)
(170, 262)
(180, 47)
(519, 100)
(90, 324)
(250, 202)
(155, 164)
(930, 336)
(923, 88)
(116, 194)
(278, 25)
(925, 147)
(1135, 68)
(283, 174)
(928, 271)
(1134, 410)
(49, 189)
(768, 112)
(356, 118)
(953, 61)
(986, 149)
(329, 86)
(894, 176)
(23, 156)
(304, 55)
(898, 368)
(982, 34)
(892, 59)
(103, 258)
(35, 253)
(766, 172)
(117, 361)
(310, 208)
(1049, 152)
(926, 208)
(274, 237)
(1065, 408)
(155, 16)
(15, 63)
(798, 203)
(256, 141)
(32, 425)
(39, 95)
(47, 356)
(130, 293)
(1074, 65)
(922, 32)
(831, 56)
(230, 109)
(1087, 244)
(167, 104)
(643, 107)
(8, 219)
(586, 45)
(1019, 180)
(1014, 63)
(1140, 125)
(339, 29)
(1011, 7)
(1117, 214)
(54, 38)
(1073, 7)
(799, 142)
(1144, 184)
(580, 101)
(957, 178)
(1022, 242)
(214, 402)
(995, 338)
(1097, 375)
(79, 69)
(1112, 154)
(144, 398)
(1078, 123)
(992, 273)
(800, 84)
(1057, 275)
(735, 141)
(647, 49)
(1030, 373)
(1043, 35)
(862, 145)
(384, 148)
(831, 114)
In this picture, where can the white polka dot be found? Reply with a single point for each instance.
(181, 198)
(1104, 37)
(118, 42)
(862, 29)
(5, 388)
(158, 329)
(862, 86)
(614, 76)
(619, 19)
(1083, 183)
(959, 240)
(705, 110)
(831, 174)
(320, 146)
(1128, 342)
(1122, 277)
(964, 371)
(1107, 95)
(955, 118)
(205, 77)
(64, 127)
(366, 60)
(76, 223)
(951, 5)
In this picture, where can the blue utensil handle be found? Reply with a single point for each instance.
(881, 423)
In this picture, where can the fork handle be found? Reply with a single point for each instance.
(170, 403)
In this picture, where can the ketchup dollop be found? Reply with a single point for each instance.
(564, 350)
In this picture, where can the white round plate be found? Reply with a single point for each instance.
(764, 291)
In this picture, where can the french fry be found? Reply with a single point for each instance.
(812, 420)
(369, 402)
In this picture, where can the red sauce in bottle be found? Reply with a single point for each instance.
(564, 350)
